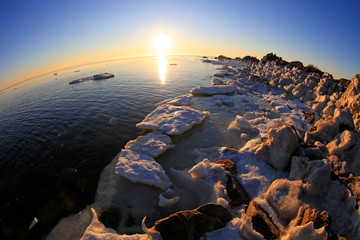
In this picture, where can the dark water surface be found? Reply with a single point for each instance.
(56, 138)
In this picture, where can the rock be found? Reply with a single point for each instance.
(261, 221)
(140, 168)
(341, 143)
(309, 116)
(103, 76)
(192, 224)
(236, 192)
(320, 220)
(279, 146)
(325, 129)
(351, 99)
(228, 165)
(182, 100)
(218, 89)
(297, 64)
(353, 183)
(172, 120)
(152, 144)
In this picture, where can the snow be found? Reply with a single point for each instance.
(242, 122)
(168, 199)
(217, 81)
(97, 231)
(172, 120)
(140, 168)
(217, 89)
(182, 100)
(306, 231)
(152, 144)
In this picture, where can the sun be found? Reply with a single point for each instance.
(162, 43)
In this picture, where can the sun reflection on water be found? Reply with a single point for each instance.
(162, 62)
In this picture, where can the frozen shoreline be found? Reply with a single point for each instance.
(280, 150)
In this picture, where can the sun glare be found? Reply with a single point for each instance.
(161, 43)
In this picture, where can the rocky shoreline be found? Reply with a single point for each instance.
(297, 175)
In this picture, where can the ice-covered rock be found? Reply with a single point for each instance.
(325, 129)
(341, 143)
(152, 144)
(141, 168)
(172, 120)
(284, 196)
(97, 231)
(218, 89)
(279, 146)
(182, 100)
(351, 99)
(223, 99)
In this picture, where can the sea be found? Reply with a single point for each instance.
(56, 137)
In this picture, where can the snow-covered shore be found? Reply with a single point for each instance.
(293, 174)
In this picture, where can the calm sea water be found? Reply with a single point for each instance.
(56, 138)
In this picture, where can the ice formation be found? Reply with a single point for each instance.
(152, 144)
(182, 100)
(217, 89)
(172, 120)
(141, 168)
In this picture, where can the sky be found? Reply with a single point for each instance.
(40, 36)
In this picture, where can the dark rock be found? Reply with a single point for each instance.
(192, 224)
(309, 116)
(313, 215)
(270, 57)
(110, 218)
(311, 68)
(236, 192)
(261, 221)
(228, 165)
(297, 64)
(250, 58)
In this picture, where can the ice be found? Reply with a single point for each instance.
(217, 89)
(242, 123)
(306, 231)
(223, 99)
(97, 231)
(218, 81)
(172, 120)
(284, 196)
(168, 199)
(182, 100)
(152, 144)
(141, 168)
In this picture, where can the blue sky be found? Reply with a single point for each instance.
(40, 36)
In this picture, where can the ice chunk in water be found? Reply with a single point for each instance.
(141, 168)
(182, 100)
(152, 144)
(217, 89)
(172, 120)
